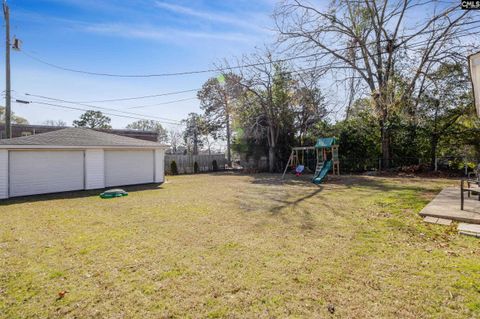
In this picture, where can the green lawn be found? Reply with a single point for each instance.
(225, 245)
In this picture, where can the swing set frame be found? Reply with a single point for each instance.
(320, 154)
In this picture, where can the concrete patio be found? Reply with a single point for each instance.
(446, 205)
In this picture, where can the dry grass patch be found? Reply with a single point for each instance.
(228, 245)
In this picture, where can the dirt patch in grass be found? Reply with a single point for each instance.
(227, 245)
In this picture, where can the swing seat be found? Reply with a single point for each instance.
(299, 170)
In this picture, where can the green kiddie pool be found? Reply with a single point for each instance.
(113, 193)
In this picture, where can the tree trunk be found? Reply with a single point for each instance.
(195, 144)
(385, 142)
(271, 159)
(382, 108)
(433, 150)
(272, 145)
(229, 152)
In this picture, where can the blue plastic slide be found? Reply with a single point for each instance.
(318, 179)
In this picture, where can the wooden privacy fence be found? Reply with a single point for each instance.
(185, 163)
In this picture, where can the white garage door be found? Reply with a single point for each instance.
(128, 167)
(41, 172)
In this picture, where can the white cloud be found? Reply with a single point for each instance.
(242, 22)
(140, 30)
(161, 34)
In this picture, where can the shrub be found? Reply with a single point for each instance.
(195, 168)
(214, 165)
(173, 168)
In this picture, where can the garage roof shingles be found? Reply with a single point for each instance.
(76, 136)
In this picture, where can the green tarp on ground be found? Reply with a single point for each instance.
(113, 193)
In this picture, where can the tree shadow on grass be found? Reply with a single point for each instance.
(293, 203)
(267, 178)
(276, 179)
(344, 184)
(348, 181)
(76, 194)
(383, 184)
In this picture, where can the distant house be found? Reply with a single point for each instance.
(72, 159)
(19, 130)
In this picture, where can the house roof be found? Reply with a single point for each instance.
(18, 129)
(77, 137)
(325, 142)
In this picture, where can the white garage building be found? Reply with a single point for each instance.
(75, 159)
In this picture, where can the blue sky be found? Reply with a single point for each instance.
(127, 37)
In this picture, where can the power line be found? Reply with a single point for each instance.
(100, 107)
(298, 71)
(229, 68)
(419, 43)
(136, 97)
(163, 103)
(411, 45)
(111, 114)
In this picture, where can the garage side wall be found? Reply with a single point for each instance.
(3, 174)
(159, 166)
(94, 169)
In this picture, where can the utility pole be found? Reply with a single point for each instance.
(8, 110)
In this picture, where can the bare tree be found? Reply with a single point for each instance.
(265, 84)
(374, 42)
(175, 137)
(55, 123)
(210, 142)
